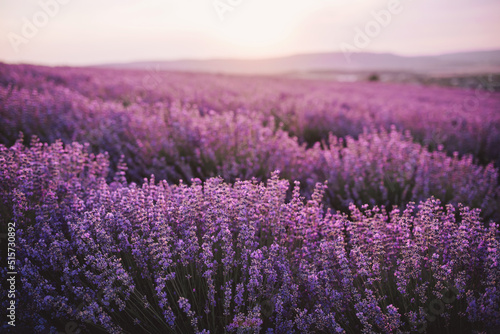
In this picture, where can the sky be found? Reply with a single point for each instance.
(85, 32)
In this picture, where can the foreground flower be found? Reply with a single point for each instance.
(215, 257)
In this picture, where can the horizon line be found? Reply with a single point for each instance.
(203, 59)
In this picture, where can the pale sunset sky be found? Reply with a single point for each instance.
(84, 32)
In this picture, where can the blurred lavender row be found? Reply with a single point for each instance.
(466, 121)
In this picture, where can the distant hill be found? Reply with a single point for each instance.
(453, 63)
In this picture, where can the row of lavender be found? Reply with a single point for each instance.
(466, 121)
(173, 139)
(113, 257)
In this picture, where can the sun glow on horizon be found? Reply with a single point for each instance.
(91, 32)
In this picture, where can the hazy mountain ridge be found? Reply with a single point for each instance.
(456, 63)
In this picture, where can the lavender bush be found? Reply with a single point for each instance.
(389, 168)
(217, 257)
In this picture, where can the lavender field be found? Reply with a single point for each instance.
(147, 201)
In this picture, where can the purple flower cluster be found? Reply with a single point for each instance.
(211, 257)
(389, 168)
